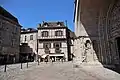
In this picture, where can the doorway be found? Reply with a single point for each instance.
(118, 45)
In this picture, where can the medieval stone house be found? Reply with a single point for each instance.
(9, 37)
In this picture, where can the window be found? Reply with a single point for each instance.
(16, 29)
(0, 41)
(45, 24)
(58, 33)
(0, 24)
(88, 44)
(0, 34)
(45, 34)
(25, 38)
(13, 42)
(31, 37)
(46, 45)
(59, 24)
(57, 45)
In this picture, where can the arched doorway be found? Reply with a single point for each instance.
(118, 46)
(113, 31)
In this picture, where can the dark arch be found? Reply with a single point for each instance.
(87, 41)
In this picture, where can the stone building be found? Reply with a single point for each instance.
(54, 40)
(9, 37)
(97, 29)
(28, 43)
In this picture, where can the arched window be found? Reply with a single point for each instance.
(46, 45)
(87, 44)
(45, 34)
(57, 45)
(59, 33)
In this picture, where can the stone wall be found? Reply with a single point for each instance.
(9, 37)
(92, 22)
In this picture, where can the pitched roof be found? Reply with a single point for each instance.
(52, 24)
(29, 30)
(6, 14)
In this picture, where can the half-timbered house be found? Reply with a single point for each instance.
(54, 40)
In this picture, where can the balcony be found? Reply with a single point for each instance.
(52, 37)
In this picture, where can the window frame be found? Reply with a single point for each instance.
(48, 44)
(57, 43)
(45, 33)
(25, 38)
(59, 33)
(31, 37)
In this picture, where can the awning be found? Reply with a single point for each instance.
(56, 55)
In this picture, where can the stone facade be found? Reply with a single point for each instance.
(9, 37)
(98, 22)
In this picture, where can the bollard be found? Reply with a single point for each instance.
(62, 60)
(21, 65)
(38, 62)
(27, 60)
(5, 58)
(27, 64)
(5, 67)
(21, 59)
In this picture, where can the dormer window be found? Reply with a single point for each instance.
(58, 24)
(29, 29)
(45, 24)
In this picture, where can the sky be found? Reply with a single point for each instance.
(32, 12)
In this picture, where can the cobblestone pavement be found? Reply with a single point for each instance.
(56, 71)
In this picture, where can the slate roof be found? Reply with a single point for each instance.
(29, 30)
(6, 14)
(52, 24)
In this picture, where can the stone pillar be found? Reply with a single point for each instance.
(78, 52)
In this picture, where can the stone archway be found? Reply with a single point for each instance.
(113, 29)
(113, 18)
(118, 45)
